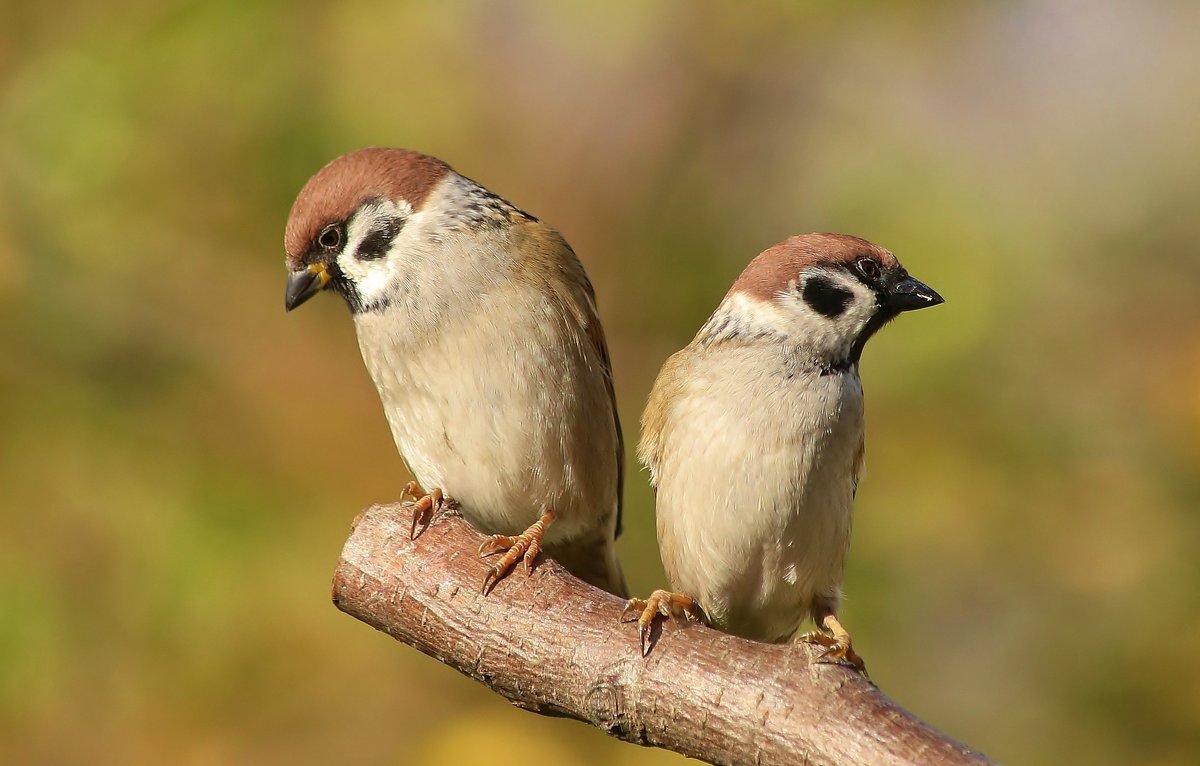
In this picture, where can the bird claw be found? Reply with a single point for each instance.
(661, 602)
(524, 547)
(428, 508)
(837, 650)
(495, 544)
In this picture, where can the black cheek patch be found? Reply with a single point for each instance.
(825, 297)
(376, 244)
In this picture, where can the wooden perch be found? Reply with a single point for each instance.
(554, 645)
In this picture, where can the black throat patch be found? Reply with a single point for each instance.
(881, 317)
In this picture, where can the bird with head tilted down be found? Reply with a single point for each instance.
(753, 435)
(479, 327)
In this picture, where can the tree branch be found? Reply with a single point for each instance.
(553, 644)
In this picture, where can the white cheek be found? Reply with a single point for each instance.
(861, 309)
(829, 335)
(375, 277)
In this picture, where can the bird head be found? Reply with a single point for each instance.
(828, 293)
(355, 223)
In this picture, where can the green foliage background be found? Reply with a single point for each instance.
(180, 461)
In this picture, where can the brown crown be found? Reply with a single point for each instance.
(772, 269)
(340, 187)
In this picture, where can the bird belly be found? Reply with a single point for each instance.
(515, 430)
(754, 501)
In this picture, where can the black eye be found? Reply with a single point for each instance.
(868, 268)
(330, 237)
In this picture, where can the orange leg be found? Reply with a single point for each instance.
(836, 640)
(664, 602)
(426, 505)
(525, 546)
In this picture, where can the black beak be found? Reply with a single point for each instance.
(304, 284)
(910, 294)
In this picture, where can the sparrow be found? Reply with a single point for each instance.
(479, 328)
(753, 435)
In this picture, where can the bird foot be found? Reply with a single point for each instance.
(523, 547)
(664, 602)
(838, 650)
(428, 508)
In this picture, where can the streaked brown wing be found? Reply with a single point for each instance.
(595, 333)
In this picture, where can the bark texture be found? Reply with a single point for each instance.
(552, 644)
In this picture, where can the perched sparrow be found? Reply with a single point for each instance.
(479, 327)
(754, 439)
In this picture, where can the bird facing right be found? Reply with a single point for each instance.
(754, 438)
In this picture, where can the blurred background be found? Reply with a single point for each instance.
(1024, 570)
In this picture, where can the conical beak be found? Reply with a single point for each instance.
(304, 284)
(910, 294)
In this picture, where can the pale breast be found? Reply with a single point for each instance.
(754, 487)
(510, 418)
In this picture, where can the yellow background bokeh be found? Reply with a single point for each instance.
(180, 460)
